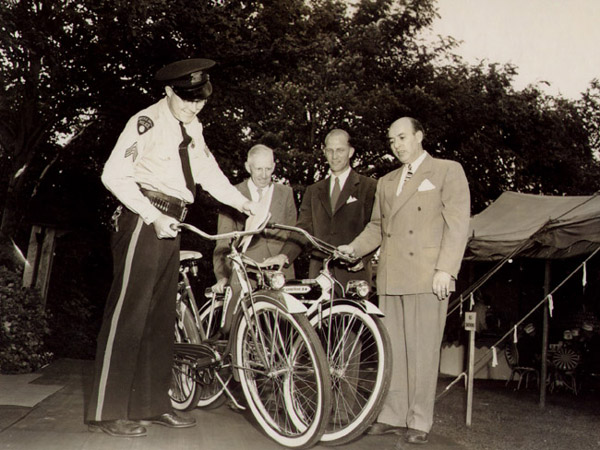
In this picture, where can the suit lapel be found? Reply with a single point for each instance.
(324, 195)
(244, 189)
(350, 188)
(276, 202)
(410, 188)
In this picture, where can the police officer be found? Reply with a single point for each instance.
(153, 170)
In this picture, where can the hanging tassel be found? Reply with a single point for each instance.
(515, 339)
(472, 301)
(494, 357)
(584, 278)
(550, 304)
(461, 307)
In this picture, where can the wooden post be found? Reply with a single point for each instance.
(545, 328)
(40, 254)
(470, 321)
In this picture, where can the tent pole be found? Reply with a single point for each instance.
(544, 368)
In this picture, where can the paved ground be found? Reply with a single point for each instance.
(44, 411)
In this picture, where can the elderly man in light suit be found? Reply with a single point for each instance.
(260, 164)
(420, 219)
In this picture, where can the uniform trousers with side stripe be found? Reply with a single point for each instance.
(416, 325)
(135, 344)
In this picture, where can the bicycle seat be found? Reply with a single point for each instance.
(185, 255)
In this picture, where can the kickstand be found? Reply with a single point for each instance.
(228, 392)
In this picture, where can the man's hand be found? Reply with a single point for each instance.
(250, 208)
(220, 285)
(348, 250)
(165, 227)
(277, 260)
(357, 267)
(441, 284)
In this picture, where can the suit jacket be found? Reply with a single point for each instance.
(351, 214)
(269, 243)
(423, 229)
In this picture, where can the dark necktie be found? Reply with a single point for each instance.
(185, 160)
(335, 193)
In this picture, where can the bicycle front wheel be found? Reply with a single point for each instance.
(283, 373)
(358, 352)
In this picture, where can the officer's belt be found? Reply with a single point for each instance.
(171, 206)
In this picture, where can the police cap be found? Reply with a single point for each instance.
(188, 78)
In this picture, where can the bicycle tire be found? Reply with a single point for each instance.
(283, 373)
(184, 392)
(358, 352)
(211, 391)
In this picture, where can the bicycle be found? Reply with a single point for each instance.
(261, 338)
(355, 340)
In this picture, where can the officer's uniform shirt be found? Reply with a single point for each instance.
(147, 155)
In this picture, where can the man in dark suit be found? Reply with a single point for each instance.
(335, 210)
(260, 164)
(420, 220)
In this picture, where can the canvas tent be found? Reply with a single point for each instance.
(532, 226)
(535, 226)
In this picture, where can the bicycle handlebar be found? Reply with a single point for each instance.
(319, 244)
(231, 235)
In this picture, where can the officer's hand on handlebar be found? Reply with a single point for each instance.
(165, 227)
(250, 208)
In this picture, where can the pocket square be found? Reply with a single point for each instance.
(426, 185)
(351, 199)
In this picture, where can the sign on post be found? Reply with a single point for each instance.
(470, 321)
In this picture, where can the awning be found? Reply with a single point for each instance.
(535, 226)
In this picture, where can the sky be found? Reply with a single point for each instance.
(557, 41)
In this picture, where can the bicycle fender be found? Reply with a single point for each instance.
(365, 305)
(371, 309)
(290, 303)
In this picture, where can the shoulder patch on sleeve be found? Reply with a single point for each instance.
(144, 123)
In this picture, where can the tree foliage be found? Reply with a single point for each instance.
(287, 72)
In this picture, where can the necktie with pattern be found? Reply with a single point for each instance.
(185, 160)
(335, 193)
(409, 173)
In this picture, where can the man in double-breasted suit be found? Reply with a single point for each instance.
(420, 220)
(260, 164)
(335, 210)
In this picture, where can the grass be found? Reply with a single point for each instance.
(506, 419)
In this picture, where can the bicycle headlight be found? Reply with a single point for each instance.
(275, 279)
(360, 288)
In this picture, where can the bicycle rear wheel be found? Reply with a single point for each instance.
(211, 390)
(184, 392)
(358, 352)
(283, 373)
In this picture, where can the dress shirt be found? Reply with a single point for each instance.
(147, 155)
(267, 193)
(342, 177)
(414, 165)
